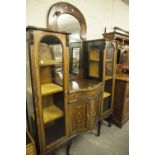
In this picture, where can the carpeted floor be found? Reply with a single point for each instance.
(112, 141)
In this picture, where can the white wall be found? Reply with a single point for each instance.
(98, 14)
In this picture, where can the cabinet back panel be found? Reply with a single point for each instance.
(45, 75)
(108, 86)
(47, 101)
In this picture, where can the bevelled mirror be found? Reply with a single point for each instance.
(68, 23)
(64, 17)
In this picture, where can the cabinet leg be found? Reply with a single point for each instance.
(99, 127)
(110, 120)
(68, 148)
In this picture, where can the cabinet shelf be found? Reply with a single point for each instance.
(50, 88)
(108, 77)
(48, 63)
(106, 94)
(93, 75)
(95, 60)
(51, 113)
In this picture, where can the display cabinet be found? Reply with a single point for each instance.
(47, 53)
(121, 100)
(65, 82)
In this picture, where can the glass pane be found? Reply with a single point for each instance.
(109, 59)
(51, 60)
(123, 57)
(76, 59)
(29, 96)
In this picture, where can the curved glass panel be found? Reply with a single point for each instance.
(109, 59)
(51, 79)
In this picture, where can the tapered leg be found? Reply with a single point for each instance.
(68, 147)
(99, 127)
(110, 120)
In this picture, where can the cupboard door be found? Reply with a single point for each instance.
(92, 111)
(77, 116)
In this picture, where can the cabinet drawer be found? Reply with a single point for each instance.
(84, 94)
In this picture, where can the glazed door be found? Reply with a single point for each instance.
(93, 59)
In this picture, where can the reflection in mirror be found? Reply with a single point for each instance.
(75, 59)
(68, 23)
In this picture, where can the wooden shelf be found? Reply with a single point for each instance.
(52, 113)
(93, 75)
(50, 88)
(96, 60)
(108, 77)
(48, 63)
(106, 94)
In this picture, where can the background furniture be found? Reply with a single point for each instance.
(121, 99)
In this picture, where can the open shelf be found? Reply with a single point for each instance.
(50, 88)
(94, 75)
(52, 113)
(93, 59)
(106, 94)
(107, 77)
(51, 62)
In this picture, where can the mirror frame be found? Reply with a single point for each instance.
(60, 8)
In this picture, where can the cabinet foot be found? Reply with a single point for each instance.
(99, 128)
(68, 148)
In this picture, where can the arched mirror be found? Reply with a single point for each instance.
(64, 17)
